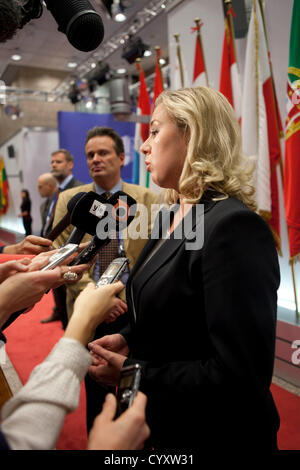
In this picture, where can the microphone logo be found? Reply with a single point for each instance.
(98, 209)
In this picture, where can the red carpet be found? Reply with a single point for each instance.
(29, 342)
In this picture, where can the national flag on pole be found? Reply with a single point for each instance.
(199, 74)
(158, 80)
(229, 78)
(260, 131)
(140, 175)
(292, 138)
(3, 188)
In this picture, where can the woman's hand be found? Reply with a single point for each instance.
(12, 267)
(128, 432)
(91, 308)
(22, 290)
(109, 354)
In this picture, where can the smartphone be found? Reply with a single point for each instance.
(113, 272)
(128, 387)
(58, 257)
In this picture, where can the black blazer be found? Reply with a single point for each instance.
(203, 327)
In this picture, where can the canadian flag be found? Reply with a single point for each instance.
(199, 74)
(229, 78)
(260, 130)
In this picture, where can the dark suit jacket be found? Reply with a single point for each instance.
(204, 332)
(46, 205)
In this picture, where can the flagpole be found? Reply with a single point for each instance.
(228, 6)
(198, 26)
(158, 54)
(176, 36)
(280, 161)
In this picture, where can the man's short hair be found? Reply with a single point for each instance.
(109, 132)
(67, 154)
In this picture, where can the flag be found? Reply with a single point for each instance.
(292, 138)
(199, 74)
(229, 78)
(3, 188)
(260, 131)
(158, 81)
(140, 174)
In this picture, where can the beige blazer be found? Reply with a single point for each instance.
(133, 247)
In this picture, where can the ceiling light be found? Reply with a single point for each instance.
(121, 70)
(162, 61)
(147, 53)
(16, 57)
(72, 65)
(117, 11)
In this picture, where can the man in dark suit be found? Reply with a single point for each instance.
(62, 162)
(47, 189)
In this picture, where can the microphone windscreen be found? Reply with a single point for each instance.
(10, 19)
(79, 21)
(88, 211)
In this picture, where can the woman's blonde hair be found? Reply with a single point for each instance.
(214, 157)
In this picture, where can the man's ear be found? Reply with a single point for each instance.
(122, 158)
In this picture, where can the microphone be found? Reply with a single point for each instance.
(66, 220)
(80, 22)
(85, 216)
(10, 19)
(119, 212)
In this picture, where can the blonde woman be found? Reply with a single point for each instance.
(203, 294)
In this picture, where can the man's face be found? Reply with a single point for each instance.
(103, 162)
(60, 166)
(45, 189)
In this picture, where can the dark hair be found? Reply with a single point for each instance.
(67, 154)
(109, 132)
(26, 193)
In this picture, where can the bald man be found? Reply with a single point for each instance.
(47, 189)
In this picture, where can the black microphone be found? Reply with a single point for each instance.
(79, 21)
(66, 220)
(85, 216)
(10, 18)
(118, 214)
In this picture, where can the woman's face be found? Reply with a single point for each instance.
(23, 195)
(165, 149)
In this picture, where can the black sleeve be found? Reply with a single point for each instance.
(2, 248)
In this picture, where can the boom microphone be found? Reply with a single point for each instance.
(80, 22)
(10, 19)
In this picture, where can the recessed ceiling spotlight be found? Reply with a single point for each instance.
(121, 70)
(72, 65)
(16, 57)
(147, 53)
(162, 61)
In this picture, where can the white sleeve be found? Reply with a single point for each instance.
(33, 418)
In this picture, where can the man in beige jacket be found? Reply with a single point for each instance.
(105, 157)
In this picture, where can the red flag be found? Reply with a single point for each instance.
(229, 78)
(199, 75)
(158, 81)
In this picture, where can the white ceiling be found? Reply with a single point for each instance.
(42, 46)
